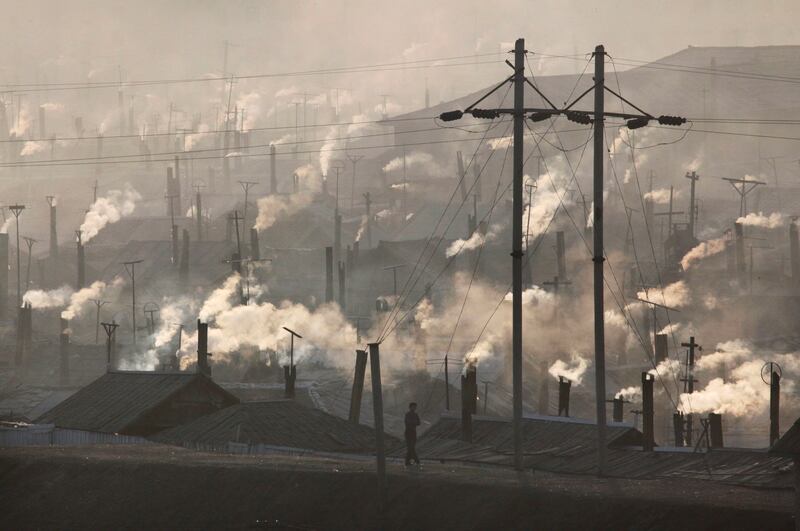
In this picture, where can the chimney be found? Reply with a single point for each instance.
(199, 215)
(740, 263)
(289, 377)
(202, 349)
(355, 256)
(368, 213)
(564, 387)
(81, 263)
(342, 290)
(53, 231)
(255, 250)
(24, 335)
(337, 237)
(617, 409)
(794, 253)
(63, 352)
(715, 430)
(462, 176)
(661, 347)
(183, 272)
(561, 255)
(730, 258)
(774, 407)
(273, 178)
(3, 272)
(469, 401)
(677, 426)
(328, 274)
(647, 411)
(544, 389)
(358, 386)
(42, 122)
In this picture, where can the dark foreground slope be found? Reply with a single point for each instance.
(161, 487)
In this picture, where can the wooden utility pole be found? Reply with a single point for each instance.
(377, 407)
(688, 382)
(693, 177)
(354, 159)
(130, 268)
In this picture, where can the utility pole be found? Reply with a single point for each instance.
(368, 206)
(236, 220)
(394, 269)
(198, 206)
(30, 241)
(743, 187)
(51, 201)
(130, 268)
(246, 185)
(692, 176)
(689, 381)
(173, 231)
(17, 210)
(111, 330)
(354, 159)
(99, 304)
(634, 121)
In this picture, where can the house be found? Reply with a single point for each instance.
(139, 403)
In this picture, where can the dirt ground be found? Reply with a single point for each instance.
(160, 487)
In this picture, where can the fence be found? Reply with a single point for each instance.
(49, 435)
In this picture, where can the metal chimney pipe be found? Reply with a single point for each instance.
(715, 430)
(774, 407)
(63, 352)
(617, 409)
(342, 287)
(358, 386)
(81, 263)
(564, 387)
(794, 253)
(662, 348)
(255, 250)
(469, 401)
(647, 412)
(202, 349)
(328, 274)
(677, 426)
(53, 231)
(273, 178)
(3, 274)
(544, 389)
(183, 272)
(337, 237)
(561, 255)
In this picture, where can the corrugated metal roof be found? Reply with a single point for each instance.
(116, 400)
(278, 423)
(789, 444)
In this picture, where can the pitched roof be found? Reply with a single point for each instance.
(116, 400)
(789, 443)
(282, 423)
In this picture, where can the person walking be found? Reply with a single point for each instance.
(412, 421)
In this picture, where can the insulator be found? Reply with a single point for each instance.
(579, 117)
(671, 120)
(450, 116)
(488, 114)
(540, 116)
(636, 123)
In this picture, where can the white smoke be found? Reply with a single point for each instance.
(703, 250)
(32, 148)
(772, 221)
(80, 300)
(418, 160)
(675, 295)
(191, 140)
(573, 370)
(50, 106)
(220, 299)
(271, 208)
(473, 242)
(250, 104)
(661, 196)
(362, 227)
(41, 299)
(109, 209)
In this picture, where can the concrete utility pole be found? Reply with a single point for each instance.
(743, 187)
(17, 210)
(51, 201)
(377, 408)
(236, 220)
(30, 241)
(198, 205)
(692, 176)
(130, 268)
(689, 381)
(111, 330)
(520, 113)
(246, 185)
(99, 304)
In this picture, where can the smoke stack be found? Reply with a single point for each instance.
(730, 258)
(356, 247)
(42, 123)
(3, 272)
(202, 349)
(183, 272)
(617, 409)
(53, 231)
(794, 253)
(81, 263)
(677, 426)
(647, 412)
(358, 386)
(774, 407)
(255, 250)
(544, 389)
(561, 255)
(740, 263)
(564, 387)
(63, 352)
(328, 274)
(662, 348)
(337, 237)
(469, 401)
(199, 215)
(368, 206)
(462, 176)
(273, 178)
(342, 288)
(715, 430)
